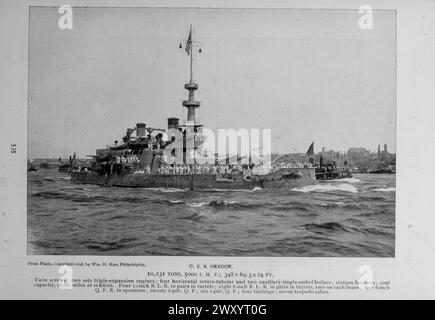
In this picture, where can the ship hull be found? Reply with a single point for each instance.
(306, 176)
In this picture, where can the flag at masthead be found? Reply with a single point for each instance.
(189, 42)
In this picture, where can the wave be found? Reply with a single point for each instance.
(192, 216)
(225, 204)
(390, 189)
(338, 204)
(325, 227)
(348, 180)
(231, 190)
(166, 190)
(88, 198)
(144, 200)
(251, 205)
(64, 178)
(176, 201)
(197, 204)
(377, 232)
(290, 207)
(331, 227)
(41, 244)
(119, 217)
(47, 194)
(217, 203)
(327, 188)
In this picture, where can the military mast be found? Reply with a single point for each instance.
(191, 126)
(190, 103)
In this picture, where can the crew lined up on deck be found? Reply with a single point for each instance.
(202, 169)
(180, 169)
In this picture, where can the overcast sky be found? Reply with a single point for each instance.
(306, 74)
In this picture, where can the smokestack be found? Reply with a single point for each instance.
(140, 129)
(173, 123)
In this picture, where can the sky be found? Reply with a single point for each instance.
(309, 75)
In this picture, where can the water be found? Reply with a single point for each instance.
(351, 217)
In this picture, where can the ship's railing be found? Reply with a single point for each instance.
(183, 169)
(79, 169)
(201, 169)
(276, 167)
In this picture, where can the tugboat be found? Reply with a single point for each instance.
(31, 167)
(330, 171)
(141, 159)
(67, 166)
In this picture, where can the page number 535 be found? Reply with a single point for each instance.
(13, 148)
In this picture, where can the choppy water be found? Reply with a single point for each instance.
(351, 217)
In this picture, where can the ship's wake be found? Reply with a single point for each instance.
(391, 189)
(345, 187)
(346, 180)
(166, 190)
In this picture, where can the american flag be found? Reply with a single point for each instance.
(189, 42)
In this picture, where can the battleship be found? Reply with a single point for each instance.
(139, 159)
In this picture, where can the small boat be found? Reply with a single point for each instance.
(64, 167)
(331, 172)
(385, 170)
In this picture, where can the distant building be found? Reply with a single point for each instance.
(384, 155)
(354, 157)
(357, 153)
(358, 157)
(331, 156)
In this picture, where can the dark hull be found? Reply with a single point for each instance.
(381, 171)
(305, 177)
(332, 176)
(332, 173)
(64, 168)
